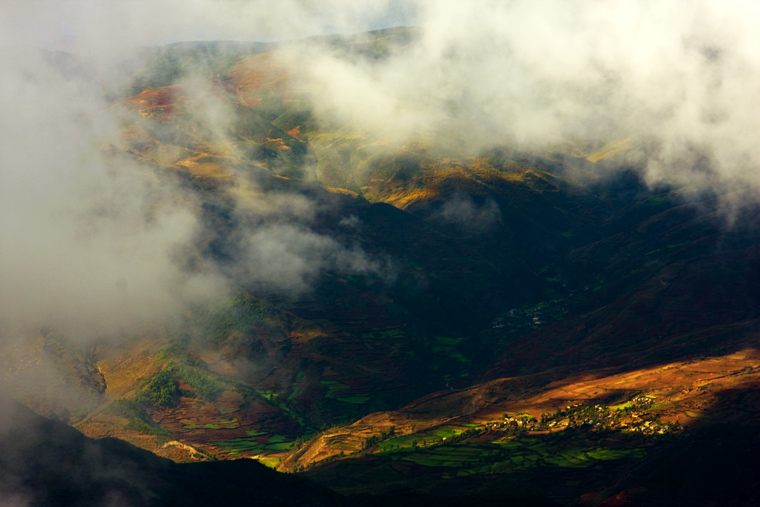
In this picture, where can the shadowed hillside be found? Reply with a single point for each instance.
(45, 462)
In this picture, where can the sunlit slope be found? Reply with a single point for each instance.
(270, 122)
(581, 438)
(652, 401)
(171, 128)
(267, 115)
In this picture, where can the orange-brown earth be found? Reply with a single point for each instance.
(260, 73)
(160, 104)
(678, 395)
(189, 430)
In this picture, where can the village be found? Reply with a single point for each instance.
(629, 417)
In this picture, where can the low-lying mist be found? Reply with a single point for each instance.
(88, 237)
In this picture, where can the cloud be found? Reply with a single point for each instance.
(97, 243)
(88, 240)
(679, 79)
(461, 210)
(288, 258)
(676, 77)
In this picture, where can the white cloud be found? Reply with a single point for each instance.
(88, 240)
(676, 77)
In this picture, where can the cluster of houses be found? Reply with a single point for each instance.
(628, 417)
(530, 318)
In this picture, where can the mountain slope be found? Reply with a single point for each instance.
(45, 462)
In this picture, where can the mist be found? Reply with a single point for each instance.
(87, 238)
(94, 243)
(676, 80)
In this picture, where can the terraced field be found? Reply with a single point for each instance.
(471, 427)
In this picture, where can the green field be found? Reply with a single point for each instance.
(337, 391)
(501, 455)
(229, 424)
(235, 446)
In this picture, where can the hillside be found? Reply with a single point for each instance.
(45, 462)
(408, 317)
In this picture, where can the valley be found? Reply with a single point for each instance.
(405, 316)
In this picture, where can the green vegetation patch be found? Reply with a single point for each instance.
(270, 462)
(614, 454)
(334, 388)
(216, 425)
(459, 357)
(239, 314)
(341, 392)
(284, 446)
(448, 341)
(136, 417)
(501, 456)
(180, 366)
(402, 442)
(163, 389)
(446, 432)
(202, 382)
(357, 399)
(235, 446)
(460, 451)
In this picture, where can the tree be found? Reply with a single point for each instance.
(164, 389)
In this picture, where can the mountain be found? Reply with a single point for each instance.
(406, 317)
(46, 462)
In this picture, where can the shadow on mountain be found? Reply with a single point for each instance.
(714, 464)
(677, 285)
(47, 463)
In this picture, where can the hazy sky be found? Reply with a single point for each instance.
(75, 24)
